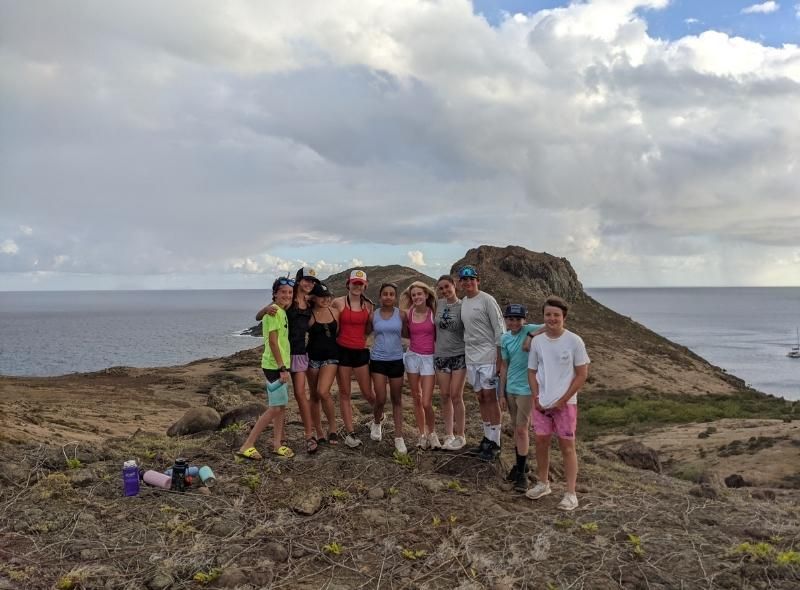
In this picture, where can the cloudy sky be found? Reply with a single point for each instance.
(194, 144)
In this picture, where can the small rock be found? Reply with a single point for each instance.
(377, 517)
(91, 554)
(375, 493)
(395, 500)
(431, 484)
(195, 420)
(705, 490)
(204, 491)
(759, 494)
(275, 552)
(506, 486)
(80, 478)
(160, 581)
(307, 502)
(735, 481)
(635, 454)
(236, 576)
(223, 528)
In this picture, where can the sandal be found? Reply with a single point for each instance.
(283, 452)
(250, 453)
(311, 445)
(333, 438)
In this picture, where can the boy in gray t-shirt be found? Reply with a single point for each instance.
(557, 368)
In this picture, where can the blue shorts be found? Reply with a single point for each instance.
(277, 397)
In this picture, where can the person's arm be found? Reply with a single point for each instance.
(404, 318)
(276, 354)
(533, 382)
(369, 327)
(581, 373)
(502, 374)
(496, 319)
(270, 309)
(526, 342)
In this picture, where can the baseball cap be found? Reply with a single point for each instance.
(467, 272)
(515, 310)
(321, 290)
(307, 273)
(358, 276)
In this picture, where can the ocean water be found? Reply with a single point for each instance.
(746, 331)
(53, 333)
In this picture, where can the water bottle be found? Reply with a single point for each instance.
(159, 480)
(179, 475)
(130, 478)
(207, 476)
(191, 471)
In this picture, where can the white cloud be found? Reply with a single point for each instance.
(691, 21)
(797, 10)
(763, 8)
(180, 145)
(9, 247)
(416, 257)
(26, 230)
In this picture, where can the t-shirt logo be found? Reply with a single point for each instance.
(447, 321)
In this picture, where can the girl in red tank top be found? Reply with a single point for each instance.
(354, 325)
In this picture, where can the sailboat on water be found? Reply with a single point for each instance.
(795, 352)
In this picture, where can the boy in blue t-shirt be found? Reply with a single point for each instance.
(515, 392)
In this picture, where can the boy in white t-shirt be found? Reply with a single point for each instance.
(557, 368)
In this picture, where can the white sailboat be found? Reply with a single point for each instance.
(795, 352)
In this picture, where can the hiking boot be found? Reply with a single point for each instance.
(512, 475)
(490, 451)
(352, 441)
(456, 444)
(433, 441)
(481, 447)
(521, 482)
(400, 446)
(539, 490)
(375, 431)
(568, 502)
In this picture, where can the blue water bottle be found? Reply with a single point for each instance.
(130, 478)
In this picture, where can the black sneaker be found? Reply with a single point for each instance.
(481, 448)
(521, 482)
(490, 452)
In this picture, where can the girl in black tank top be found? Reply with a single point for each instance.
(323, 355)
(322, 338)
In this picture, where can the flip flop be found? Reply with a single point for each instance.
(250, 453)
(311, 445)
(283, 452)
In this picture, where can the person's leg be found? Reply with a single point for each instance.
(343, 377)
(379, 383)
(303, 406)
(365, 384)
(278, 421)
(443, 380)
(427, 384)
(457, 379)
(415, 385)
(543, 457)
(327, 374)
(396, 392)
(570, 457)
(312, 375)
(263, 421)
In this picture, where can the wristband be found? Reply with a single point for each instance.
(283, 369)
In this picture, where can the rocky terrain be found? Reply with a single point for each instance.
(663, 434)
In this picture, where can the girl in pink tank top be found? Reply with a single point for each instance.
(420, 302)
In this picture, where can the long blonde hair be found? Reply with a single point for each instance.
(430, 296)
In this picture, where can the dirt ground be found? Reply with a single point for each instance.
(350, 518)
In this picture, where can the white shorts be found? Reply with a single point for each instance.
(419, 364)
(482, 376)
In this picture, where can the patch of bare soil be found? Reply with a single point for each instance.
(765, 453)
(342, 518)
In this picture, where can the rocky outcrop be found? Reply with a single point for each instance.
(195, 420)
(639, 456)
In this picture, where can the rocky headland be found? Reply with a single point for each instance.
(688, 478)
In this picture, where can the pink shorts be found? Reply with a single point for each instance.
(299, 363)
(563, 422)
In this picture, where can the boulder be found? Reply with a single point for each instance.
(243, 414)
(637, 455)
(227, 395)
(195, 420)
(307, 502)
(735, 481)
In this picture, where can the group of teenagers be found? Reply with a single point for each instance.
(534, 371)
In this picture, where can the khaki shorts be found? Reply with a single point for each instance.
(520, 406)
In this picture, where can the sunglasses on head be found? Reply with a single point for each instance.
(286, 281)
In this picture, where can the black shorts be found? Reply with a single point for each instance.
(391, 369)
(448, 364)
(353, 357)
(272, 375)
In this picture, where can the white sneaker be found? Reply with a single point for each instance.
(458, 443)
(375, 431)
(447, 440)
(539, 490)
(352, 441)
(422, 443)
(400, 446)
(568, 502)
(433, 441)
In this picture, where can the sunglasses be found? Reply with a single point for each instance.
(285, 281)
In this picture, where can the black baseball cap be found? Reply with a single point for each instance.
(321, 290)
(515, 310)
